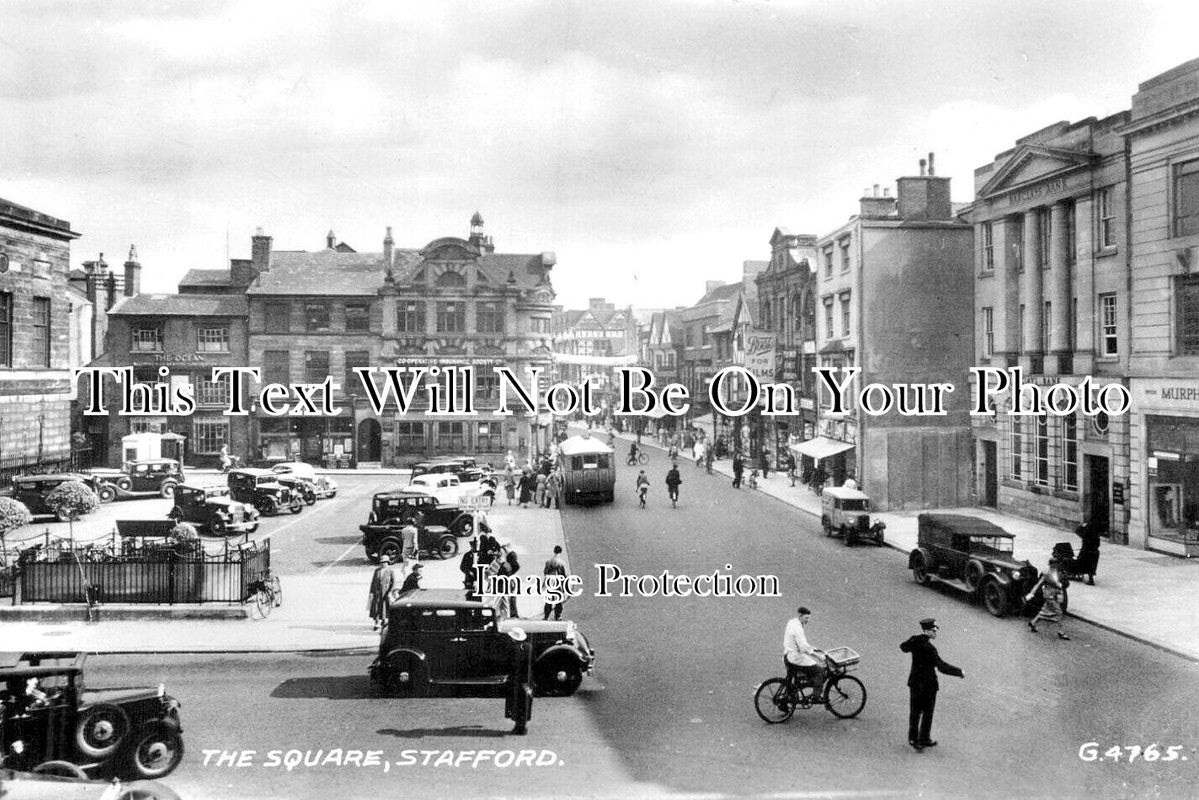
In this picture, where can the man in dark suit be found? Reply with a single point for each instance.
(922, 683)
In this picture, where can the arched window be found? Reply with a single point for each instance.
(450, 279)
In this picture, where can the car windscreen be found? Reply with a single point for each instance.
(855, 505)
(1001, 544)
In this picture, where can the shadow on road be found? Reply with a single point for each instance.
(457, 730)
(361, 561)
(347, 539)
(331, 687)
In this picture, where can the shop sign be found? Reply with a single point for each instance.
(1118, 493)
(170, 358)
(760, 355)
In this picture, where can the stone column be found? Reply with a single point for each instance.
(1059, 286)
(1031, 290)
(1006, 298)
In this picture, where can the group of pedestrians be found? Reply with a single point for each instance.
(542, 487)
(390, 582)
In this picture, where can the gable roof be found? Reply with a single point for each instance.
(205, 277)
(1030, 163)
(726, 292)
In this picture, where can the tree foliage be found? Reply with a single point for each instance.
(13, 514)
(71, 500)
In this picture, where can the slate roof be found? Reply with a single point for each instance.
(205, 277)
(181, 305)
(333, 272)
(727, 292)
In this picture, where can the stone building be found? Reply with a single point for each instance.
(895, 295)
(1050, 258)
(35, 340)
(1161, 247)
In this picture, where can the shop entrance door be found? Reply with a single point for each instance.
(370, 441)
(1097, 492)
(990, 487)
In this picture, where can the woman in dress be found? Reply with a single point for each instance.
(1053, 587)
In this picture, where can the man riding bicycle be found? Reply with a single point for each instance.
(642, 487)
(633, 449)
(805, 664)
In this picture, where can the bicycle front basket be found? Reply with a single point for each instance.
(843, 656)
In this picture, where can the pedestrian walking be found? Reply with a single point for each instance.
(408, 535)
(699, 453)
(764, 459)
(381, 585)
(557, 485)
(642, 487)
(673, 479)
(791, 467)
(510, 485)
(554, 565)
(509, 462)
(528, 485)
(509, 565)
(738, 470)
(412, 582)
(1052, 586)
(489, 547)
(539, 490)
(467, 566)
(923, 684)
(1088, 556)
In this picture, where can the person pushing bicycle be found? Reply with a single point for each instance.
(633, 450)
(805, 664)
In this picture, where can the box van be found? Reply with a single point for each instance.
(588, 470)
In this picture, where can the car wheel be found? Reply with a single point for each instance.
(176, 514)
(62, 517)
(60, 769)
(310, 498)
(101, 730)
(558, 677)
(124, 484)
(447, 546)
(253, 528)
(973, 576)
(106, 494)
(994, 598)
(217, 526)
(167, 489)
(297, 506)
(402, 676)
(267, 506)
(920, 571)
(156, 751)
(846, 536)
(466, 527)
(391, 548)
(828, 528)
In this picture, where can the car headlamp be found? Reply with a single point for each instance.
(570, 633)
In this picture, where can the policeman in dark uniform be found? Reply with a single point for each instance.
(922, 683)
(518, 700)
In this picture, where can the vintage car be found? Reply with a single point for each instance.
(399, 505)
(386, 538)
(463, 467)
(324, 486)
(447, 488)
(974, 556)
(261, 489)
(156, 477)
(50, 718)
(846, 513)
(211, 509)
(32, 490)
(436, 637)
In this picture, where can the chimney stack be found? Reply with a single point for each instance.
(931, 171)
(922, 163)
(330, 240)
(133, 274)
(926, 196)
(260, 253)
(388, 250)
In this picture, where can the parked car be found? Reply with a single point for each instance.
(846, 513)
(399, 506)
(32, 489)
(463, 467)
(211, 509)
(448, 488)
(325, 486)
(974, 556)
(156, 477)
(387, 539)
(261, 489)
(125, 733)
(299, 487)
(437, 638)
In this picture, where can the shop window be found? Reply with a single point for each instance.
(278, 317)
(451, 437)
(358, 317)
(410, 436)
(1173, 450)
(489, 437)
(1186, 198)
(146, 339)
(209, 435)
(213, 340)
(1069, 458)
(1017, 450)
(1186, 293)
(5, 329)
(1109, 342)
(410, 316)
(1041, 449)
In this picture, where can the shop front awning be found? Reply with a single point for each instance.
(820, 447)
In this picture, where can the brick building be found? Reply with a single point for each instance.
(35, 339)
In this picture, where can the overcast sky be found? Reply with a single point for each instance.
(652, 144)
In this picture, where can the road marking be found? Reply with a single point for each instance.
(333, 564)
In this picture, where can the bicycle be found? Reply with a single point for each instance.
(641, 459)
(842, 694)
(642, 491)
(263, 595)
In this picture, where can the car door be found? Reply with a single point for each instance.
(484, 652)
(142, 478)
(440, 639)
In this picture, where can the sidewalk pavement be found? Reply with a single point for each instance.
(326, 610)
(1149, 597)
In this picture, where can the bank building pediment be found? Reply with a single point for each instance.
(1033, 163)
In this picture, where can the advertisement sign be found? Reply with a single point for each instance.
(759, 355)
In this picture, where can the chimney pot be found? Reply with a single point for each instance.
(875, 190)
(931, 171)
(886, 192)
(922, 163)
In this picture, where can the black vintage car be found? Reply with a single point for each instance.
(124, 733)
(464, 467)
(400, 505)
(436, 638)
(974, 556)
(301, 487)
(382, 535)
(32, 490)
(155, 477)
(261, 489)
(211, 509)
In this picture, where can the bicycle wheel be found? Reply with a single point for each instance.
(643, 458)
(845, 696)
(276, 590)
(264, 601)
(773, 701)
